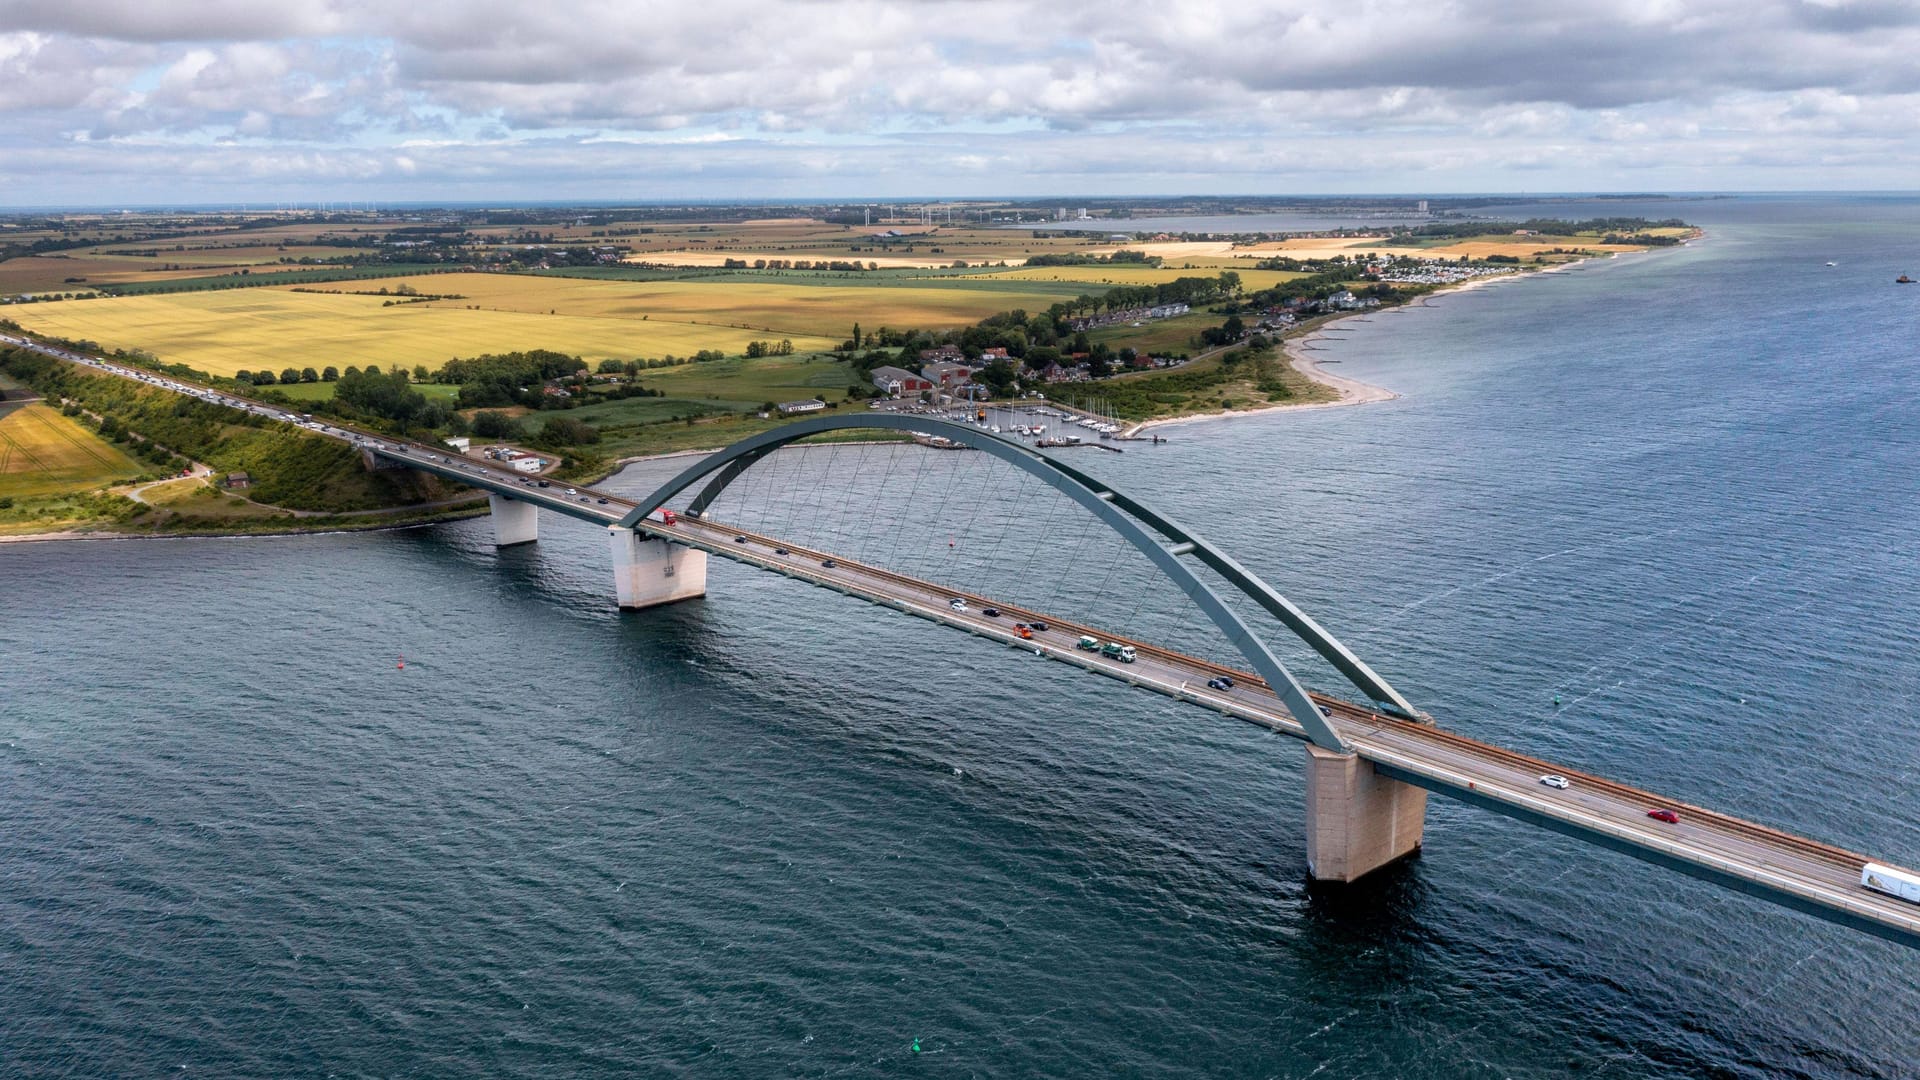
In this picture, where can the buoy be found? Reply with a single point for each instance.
(402, 665)
(1556, 700)
(916, 1046)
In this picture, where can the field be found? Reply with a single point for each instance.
(275, 328)
(1162, 337)
(45, 453)
(1102, 276)
(250, 329)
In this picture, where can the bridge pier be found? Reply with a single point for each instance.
(648, 572)
(1357, 820)
(514, 521)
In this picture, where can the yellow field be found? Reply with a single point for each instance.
(1144, 275)
(45, 453)
(225, 332)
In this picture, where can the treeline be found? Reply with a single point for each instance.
(494, 380)
(798, 264)
(1074, 258)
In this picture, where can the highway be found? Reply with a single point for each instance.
(1799, 873)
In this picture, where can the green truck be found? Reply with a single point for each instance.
(1117, 651)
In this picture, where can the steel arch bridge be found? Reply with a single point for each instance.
(1162, 540)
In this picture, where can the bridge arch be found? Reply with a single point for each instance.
(1161, 539)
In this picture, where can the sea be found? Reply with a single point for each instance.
(402, 804)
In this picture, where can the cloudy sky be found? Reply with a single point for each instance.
(210, 101)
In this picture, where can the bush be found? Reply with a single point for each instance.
(492, 425)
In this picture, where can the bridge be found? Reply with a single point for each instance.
(1370, 763)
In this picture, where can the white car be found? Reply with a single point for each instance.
(958, 605)
(1555, 781)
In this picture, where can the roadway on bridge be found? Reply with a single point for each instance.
(1803, 874)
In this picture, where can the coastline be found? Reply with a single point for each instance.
(1299, 353)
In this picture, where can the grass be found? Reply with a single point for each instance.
(1162, 337)
(44, 453)
(746, 383)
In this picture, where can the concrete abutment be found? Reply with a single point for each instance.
(514, 521)
(648, 571)
(1357, 820)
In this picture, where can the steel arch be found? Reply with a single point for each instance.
(1136, 522)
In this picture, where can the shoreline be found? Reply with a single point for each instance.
(1352, 391)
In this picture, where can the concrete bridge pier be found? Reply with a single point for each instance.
(1357, 820)
(514, 521)
(648, 571)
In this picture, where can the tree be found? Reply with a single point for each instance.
(856, 335)
(329, 373)
(611, 367)
(420, 373)
(566, 431)
(373, 369)
(243, 375)
(263, 378)
(387, 396)
(289, 375)
(309, 375)
(495, 425)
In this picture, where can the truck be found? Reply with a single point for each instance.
(1117, 651)
(1091, 644)
(1891, 881)
(667, 516)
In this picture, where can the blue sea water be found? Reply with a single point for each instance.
(780, 832)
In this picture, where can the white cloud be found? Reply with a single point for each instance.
(992, 95)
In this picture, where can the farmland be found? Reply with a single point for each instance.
(44, 453)
(274, 328)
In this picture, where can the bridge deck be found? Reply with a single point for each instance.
(1803, 874)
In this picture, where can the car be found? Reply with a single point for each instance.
(1219, 683)
(1088, 642)
(1025, 633)
(1556, 781)
(990, 612)
(603, 502)
(583, 498)
(781, 551)
(1665, 815)
(1037, 626)
(739, 539)
(828, 563)
(571, 491)
(958, 605)
(1326, 712)
(543, 483)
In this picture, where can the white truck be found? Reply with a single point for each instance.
(1892, 882)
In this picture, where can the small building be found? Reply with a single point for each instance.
(527, 463)
(236, 480)
(459, 442)
(988, 356)
(949, 374)
(794, 408)
(945, 354)
(896, 381)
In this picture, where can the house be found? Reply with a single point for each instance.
(949, 374)
(988, 356)
(895, 381)
(459, 442)
(793, 408)
(237, 480)
(945, 354)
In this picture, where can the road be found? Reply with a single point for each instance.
(1803, 874)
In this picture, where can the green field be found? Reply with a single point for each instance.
(44, 453)
(1163, 337)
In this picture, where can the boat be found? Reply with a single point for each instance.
(1830, 262)
(1903, 280)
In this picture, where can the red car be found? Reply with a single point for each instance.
(1667, 816)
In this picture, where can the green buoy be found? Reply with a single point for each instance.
(916, 1046)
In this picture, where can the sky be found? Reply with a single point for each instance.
(139, 102)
